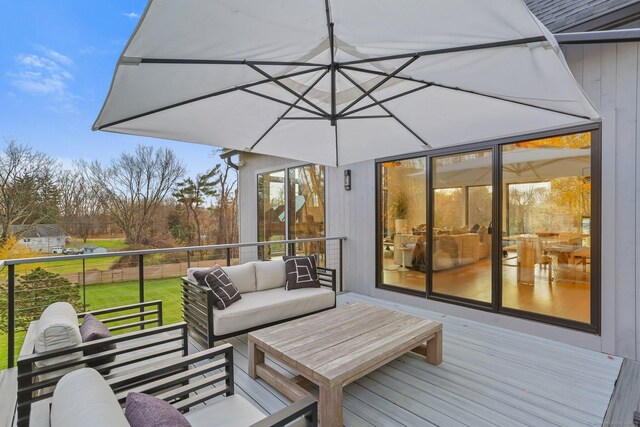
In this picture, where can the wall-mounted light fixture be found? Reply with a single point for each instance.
(347, 179)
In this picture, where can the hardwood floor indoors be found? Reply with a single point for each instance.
(566, 297)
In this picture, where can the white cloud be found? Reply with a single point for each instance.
(132, 15)
(45, 74)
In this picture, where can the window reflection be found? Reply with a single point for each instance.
(306, 208)
(403, 224)
(271, 213)
(462, 212)
(546, 222)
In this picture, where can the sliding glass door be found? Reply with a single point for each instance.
(402, 226)
(546, 266)
(462, 199)
(508, 227)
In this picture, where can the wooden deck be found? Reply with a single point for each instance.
(489, 376)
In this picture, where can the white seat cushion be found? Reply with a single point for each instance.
(232, 411)
(259, 308)
(83, 398)
(243, 276)
(270, 274)
(57, 328)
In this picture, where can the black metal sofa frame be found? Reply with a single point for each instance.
(157, 342)
(197, 309)
(170, 381)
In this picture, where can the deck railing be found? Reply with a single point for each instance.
(131, 268)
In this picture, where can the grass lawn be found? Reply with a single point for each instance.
(112, 244)
(116, 294)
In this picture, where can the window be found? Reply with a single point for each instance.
(546, 241)
(403, 224)
(508, 228)
(291, 206)
(462, 212)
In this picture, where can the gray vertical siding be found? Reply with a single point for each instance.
(609, 75)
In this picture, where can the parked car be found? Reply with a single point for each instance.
(57, 250)
(73, 251)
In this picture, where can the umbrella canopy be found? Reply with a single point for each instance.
(340, 81)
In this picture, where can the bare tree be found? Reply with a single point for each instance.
(227, 200)
(80, 207)
(28, 194)
(132, 186)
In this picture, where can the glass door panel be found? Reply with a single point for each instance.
(462, 225)
(271, 213)
(403, 228)
(546, 222)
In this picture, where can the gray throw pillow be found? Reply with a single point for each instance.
(224, 291)
(302, 272)
(143, 410)
(93, 329)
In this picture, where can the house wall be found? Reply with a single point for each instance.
(43, 244)
(609, 75)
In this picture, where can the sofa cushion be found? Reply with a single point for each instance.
(232, 411)
(57, 328)
(83, 398)
(225, 292)
(301, 272)
(270, 274)
(93, 329)
(259, 308)
(243, 276)
(143, 410)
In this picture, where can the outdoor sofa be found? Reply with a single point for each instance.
(264, 301)
(53, 347)
(84, 398)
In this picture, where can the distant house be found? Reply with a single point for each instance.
(40, 237)
(94, 250)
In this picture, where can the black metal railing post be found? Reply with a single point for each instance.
(84, 285)
(11, 300)
(141, 285)
(228, 256)
(340, 263)
(188, 259)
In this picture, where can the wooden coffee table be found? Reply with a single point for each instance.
(336, 347)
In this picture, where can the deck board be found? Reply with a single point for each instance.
(489, 376)
(626, 397)
(8, 391)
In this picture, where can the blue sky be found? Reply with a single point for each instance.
(56, 63)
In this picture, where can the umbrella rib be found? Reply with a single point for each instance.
(333, 62)
(291, 107)
(287, 88)
(490, 45)
(356, 84)
(280, 101)
(209, 95)
(472, 92)
(224, 62)
(377, 85)
(382, 101)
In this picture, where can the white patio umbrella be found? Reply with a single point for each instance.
(340, 81)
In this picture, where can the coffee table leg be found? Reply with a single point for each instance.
(330, 406)
(434, 349)
(256, 357)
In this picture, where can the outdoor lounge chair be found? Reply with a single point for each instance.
(39, 372)
(85, 398)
